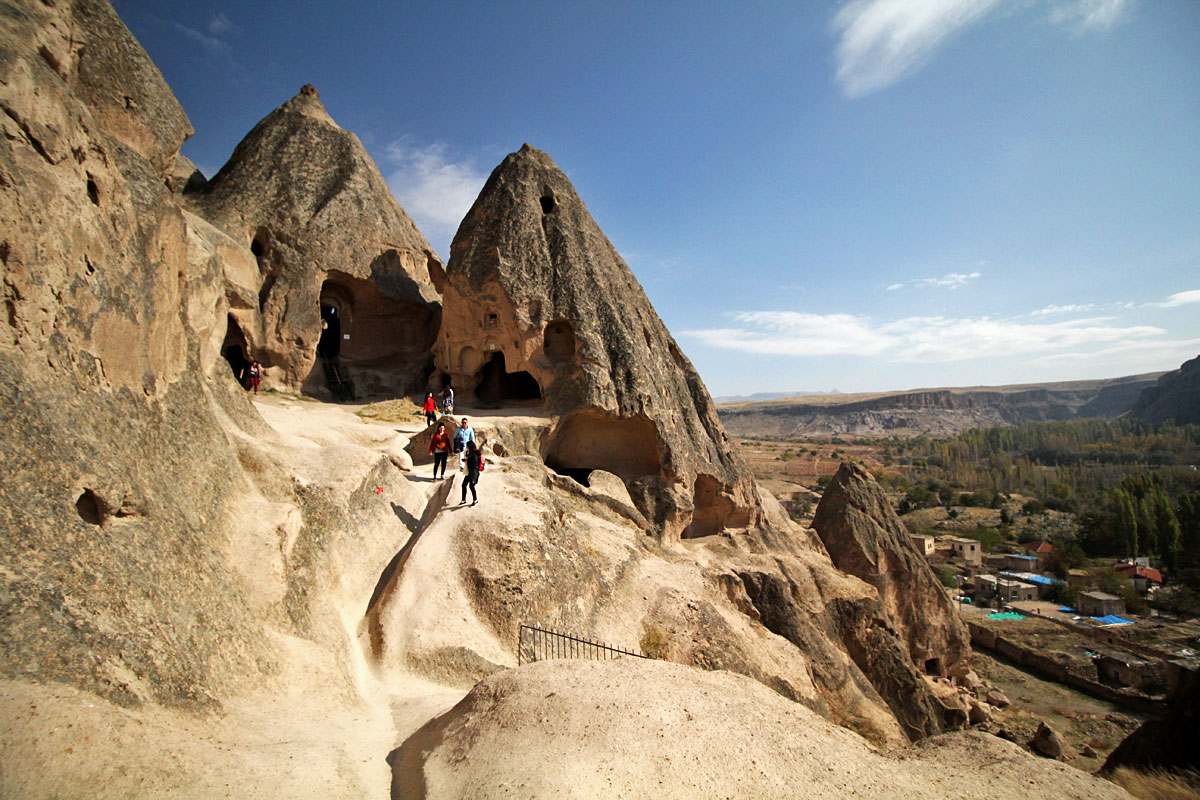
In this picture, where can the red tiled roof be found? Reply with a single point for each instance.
(1042, 547)
(1133, 570)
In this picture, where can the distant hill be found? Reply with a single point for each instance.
(761, 396)
(1175, 396)
(935, 412)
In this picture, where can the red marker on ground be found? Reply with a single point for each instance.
(378, 490)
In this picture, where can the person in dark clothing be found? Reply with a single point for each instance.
(439, 448)
(430, 409)
(474, 461)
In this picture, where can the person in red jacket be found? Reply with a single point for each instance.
(439, 448)
(430, 409)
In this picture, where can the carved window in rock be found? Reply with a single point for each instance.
(558, 341)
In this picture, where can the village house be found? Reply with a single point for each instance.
(966, 549)
(1011, 591)
(924, 544)
(1099, 604)
(1145, 579)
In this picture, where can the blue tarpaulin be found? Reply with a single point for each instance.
(1113, 619)
(1066, 609)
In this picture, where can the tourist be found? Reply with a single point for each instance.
(462, 436)
(447, 400)
(255, 375)
(430, 409)
(474, 460)
(439, 448)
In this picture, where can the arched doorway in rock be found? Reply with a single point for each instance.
(558, 341)
(330, 344)
(234, 350)
(496, 386)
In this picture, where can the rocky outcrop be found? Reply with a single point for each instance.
(344, 279)
(634, 728)
(865, 538)
(539, 307)
(1176, 397)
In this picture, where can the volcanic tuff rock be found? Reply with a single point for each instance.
(538, 304)
(1176, 397)
(112, 579)
(342, 270)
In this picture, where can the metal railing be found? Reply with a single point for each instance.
(540, 644)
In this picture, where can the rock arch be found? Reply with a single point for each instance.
(713, 509)
(591, 439)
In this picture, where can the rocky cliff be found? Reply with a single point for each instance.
(1176, 396)
(936, 412)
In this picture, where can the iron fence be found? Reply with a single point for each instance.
(540, 644)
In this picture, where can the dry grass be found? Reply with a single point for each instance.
(399, 410)
(655, 643)
(1158, 784)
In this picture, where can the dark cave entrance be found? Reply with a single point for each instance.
(591, 439)
(497, 386)
(233, 349)
(330, 344)
(933, 666)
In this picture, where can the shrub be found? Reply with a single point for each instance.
(655, 643)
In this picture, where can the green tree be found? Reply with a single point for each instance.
(1126, 522)
(1167, 527)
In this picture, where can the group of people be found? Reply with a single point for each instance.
(470, 459)
(431, 406)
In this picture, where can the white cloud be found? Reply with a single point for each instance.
(914, 339)
(1181, 299)
(221, 24)
(212, 44)
(1084, 15)
(1073, 308)
(434, 189)
(952, 280)
(797, 333)
(884, 40)
(1135, 354)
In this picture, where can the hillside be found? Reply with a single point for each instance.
(934, 412)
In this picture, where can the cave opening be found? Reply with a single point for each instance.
(590, 439)
(330, 344)
(90, 509)
(548, 203)
(497, 386)
(933, 666)
(235, 351)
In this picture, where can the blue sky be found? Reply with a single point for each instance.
(862, 196)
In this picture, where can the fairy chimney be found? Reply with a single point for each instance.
(539, 309)
(345, 278)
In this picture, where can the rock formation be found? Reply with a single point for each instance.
(637, 728)
(865, 538)
(1176, 396)
(343, 278)
(538, 306)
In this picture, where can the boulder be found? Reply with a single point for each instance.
(979, 713)
(1047, 741)
(997, 698)
(344, 283)
(539, 309)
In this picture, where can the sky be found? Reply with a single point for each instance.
(872, 195)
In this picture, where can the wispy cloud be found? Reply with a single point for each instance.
(1181, 299)
(433, 187)
(913, 339)
(1071, 308)
(212, 37)
(952, 280)
(882, 41)
(1084, 15)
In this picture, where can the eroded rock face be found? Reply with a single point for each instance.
(865, 538)
(344, 278)
(539, 307)
(113, 580)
